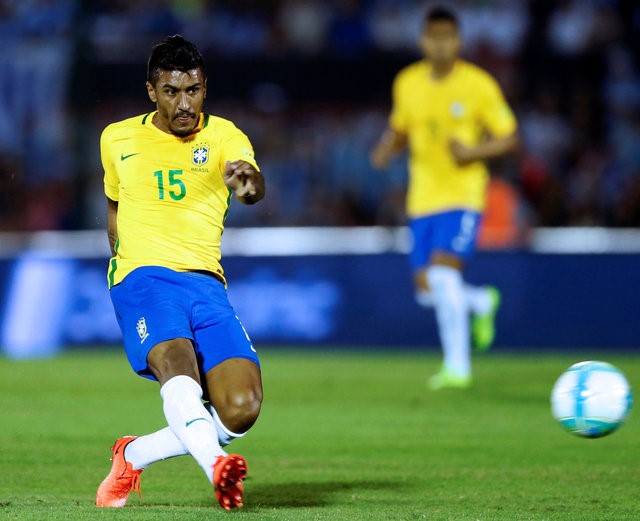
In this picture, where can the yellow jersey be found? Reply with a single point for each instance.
(172, 200)
(464, 105)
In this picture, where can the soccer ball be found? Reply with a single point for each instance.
(591, 399)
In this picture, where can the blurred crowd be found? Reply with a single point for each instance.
(314, 95)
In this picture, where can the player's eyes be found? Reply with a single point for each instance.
(173, 92)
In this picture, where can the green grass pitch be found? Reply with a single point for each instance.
(352, 435)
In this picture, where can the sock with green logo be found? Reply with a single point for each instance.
(190, 421)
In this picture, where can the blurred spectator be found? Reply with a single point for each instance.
(303, 25)
(621, 87)
(35, 132)
(505, 220)
(545, 132)
(123, 30)
(395, 26)
(584, 189)
(499, 24)
(571, 27)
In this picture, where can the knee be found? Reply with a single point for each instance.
(240, 410)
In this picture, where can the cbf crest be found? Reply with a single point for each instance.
(141, 328)
(457, 109)
(200, 155)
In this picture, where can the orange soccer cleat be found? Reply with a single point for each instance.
(122, 479)
(229, 472)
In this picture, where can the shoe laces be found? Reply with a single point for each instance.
(129, 481)
(135, 484)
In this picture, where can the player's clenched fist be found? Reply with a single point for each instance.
(243, 178)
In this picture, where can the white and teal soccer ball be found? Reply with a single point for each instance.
(591, 399)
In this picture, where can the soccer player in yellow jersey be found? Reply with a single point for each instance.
(169, 176)
(452, 116)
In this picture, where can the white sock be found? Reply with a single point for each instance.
(159, 445)
(424, 298)
(478, 299)
(225, 436)
(190, 421)
(452, 314)
(164, 444)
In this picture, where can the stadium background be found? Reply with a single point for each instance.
(308, 81)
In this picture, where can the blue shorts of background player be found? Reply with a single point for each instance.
(453, 232)
(154, 304)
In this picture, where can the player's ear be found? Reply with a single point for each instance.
(151, 91)
(204, 94)
(422, 41)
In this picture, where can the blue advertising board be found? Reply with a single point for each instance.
(549, 301)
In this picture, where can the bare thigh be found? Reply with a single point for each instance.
(172, 358)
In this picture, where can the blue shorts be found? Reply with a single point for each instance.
(155, 304)
(451, 232)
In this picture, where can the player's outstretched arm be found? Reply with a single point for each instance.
(243, 178)
(390, 144)
(491, 148)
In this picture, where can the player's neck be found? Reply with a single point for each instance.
(441, 70)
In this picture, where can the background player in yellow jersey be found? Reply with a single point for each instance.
(169, 176)
(453, 116)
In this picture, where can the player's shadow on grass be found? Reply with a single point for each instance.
(287, 495)
(266, 495)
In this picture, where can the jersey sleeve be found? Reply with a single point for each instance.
(111, 180)
(398, 117)
(235, 146)
(495, 112)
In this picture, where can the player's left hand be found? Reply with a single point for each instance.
(462, 154)
(243, 178)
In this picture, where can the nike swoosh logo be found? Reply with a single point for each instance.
(191, 421)
(123, 157)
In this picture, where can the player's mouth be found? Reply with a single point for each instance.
(185, 119)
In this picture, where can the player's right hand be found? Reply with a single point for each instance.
(462, 154)
(379, 157)
(243, 178)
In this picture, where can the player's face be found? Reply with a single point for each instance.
(179, 97)
(440, 42)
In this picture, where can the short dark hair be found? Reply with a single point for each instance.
(173, 54)
(441, 14)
